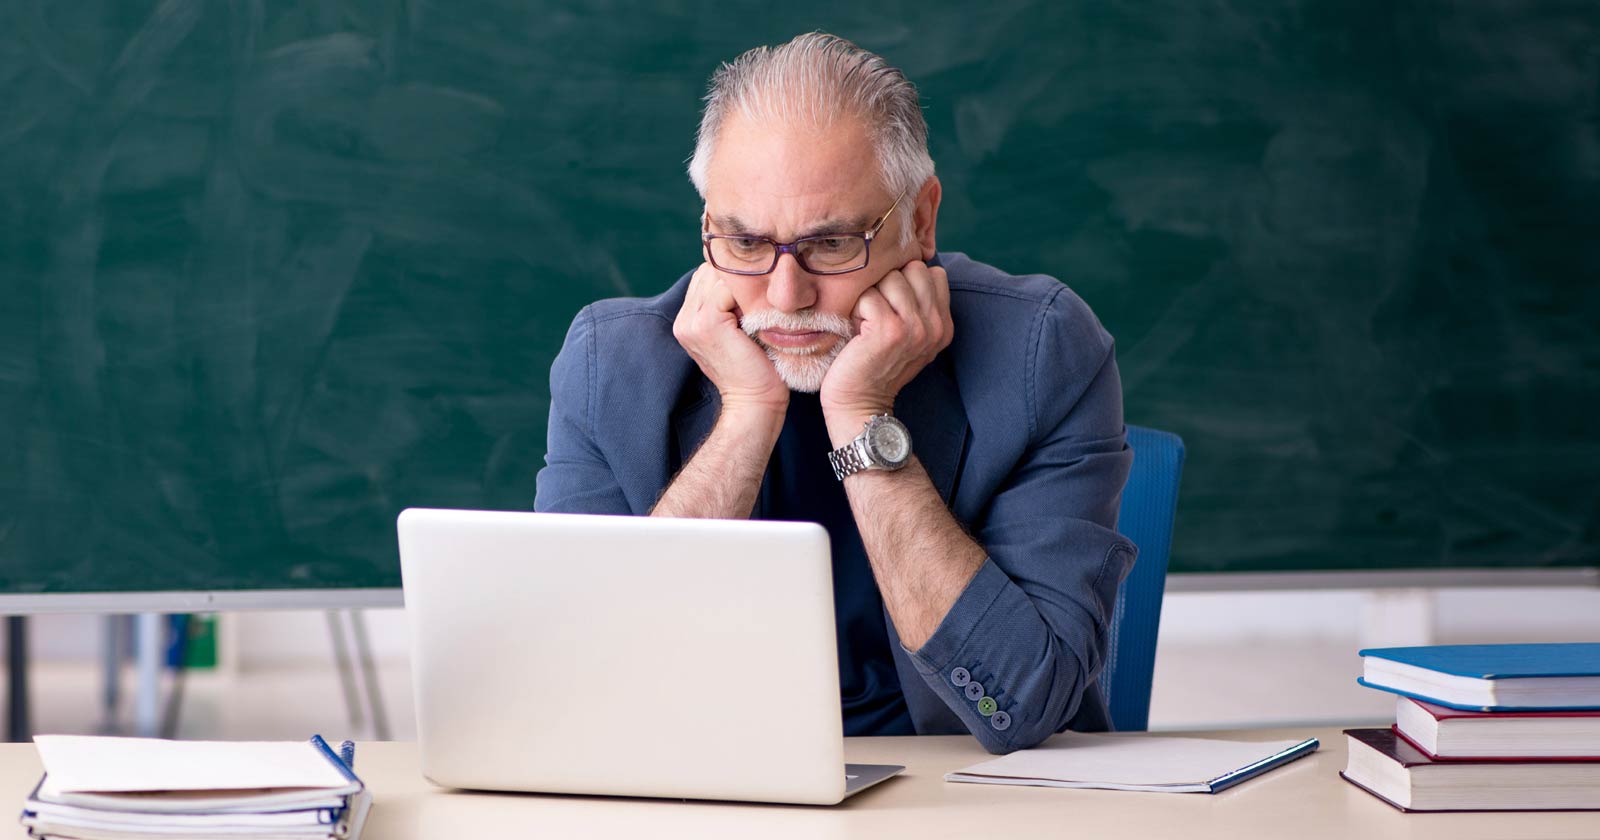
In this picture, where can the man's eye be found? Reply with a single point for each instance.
(745, 246)
(831, 244)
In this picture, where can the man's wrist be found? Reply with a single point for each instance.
(845, 424)
(757, 421)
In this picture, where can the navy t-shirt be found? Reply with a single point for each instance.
(800, 487)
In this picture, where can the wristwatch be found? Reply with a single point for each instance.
(884, 444)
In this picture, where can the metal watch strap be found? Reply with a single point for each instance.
(848, 460)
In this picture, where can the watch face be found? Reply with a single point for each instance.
(890, 442)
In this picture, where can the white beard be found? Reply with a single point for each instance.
(800, 369)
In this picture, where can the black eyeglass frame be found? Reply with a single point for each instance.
(793, 248)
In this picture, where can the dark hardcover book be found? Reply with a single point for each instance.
(1387, 766)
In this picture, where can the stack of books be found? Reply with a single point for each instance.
(1483, 728)
(149, 789)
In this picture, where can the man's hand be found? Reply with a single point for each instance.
(708, 328)
(921, 557)
(901, 325)
(723, 478)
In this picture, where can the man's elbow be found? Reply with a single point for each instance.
(1020, 735)
(1026, 724)
(998, 744)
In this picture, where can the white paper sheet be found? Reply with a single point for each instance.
(1131, 761)
(79, 763)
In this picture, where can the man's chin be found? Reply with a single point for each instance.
(802, 373)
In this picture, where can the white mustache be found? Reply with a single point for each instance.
(772, 319)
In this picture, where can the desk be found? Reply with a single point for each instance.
(1305, 800)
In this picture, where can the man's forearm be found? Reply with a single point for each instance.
(723, 477)
(920, 555)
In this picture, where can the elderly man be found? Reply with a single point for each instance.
(956, 429)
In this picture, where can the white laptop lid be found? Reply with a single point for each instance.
(624, 655)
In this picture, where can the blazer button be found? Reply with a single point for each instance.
(987, 706)
(1000, 721)
(960, 677)
(974, 691)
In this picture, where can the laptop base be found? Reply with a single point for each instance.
(859, 777)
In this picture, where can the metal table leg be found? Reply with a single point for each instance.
(148, 652)
(17, 725)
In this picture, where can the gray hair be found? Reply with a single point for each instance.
(811, 81)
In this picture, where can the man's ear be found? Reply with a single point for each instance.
(925, 218)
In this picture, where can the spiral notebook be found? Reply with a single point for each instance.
(1138, 762)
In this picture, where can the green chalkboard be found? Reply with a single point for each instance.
(270, 272)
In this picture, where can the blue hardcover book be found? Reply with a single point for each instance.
(1490, 678)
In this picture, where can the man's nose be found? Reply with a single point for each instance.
(789, 287)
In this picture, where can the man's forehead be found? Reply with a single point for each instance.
(820, 174)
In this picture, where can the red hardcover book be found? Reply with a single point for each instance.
(1451, 734)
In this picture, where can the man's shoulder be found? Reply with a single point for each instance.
(662, 307)
(630, 348)
(634, 331)
(1008, 313)
(968, 275)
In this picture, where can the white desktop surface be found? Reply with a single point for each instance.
(1304, 800)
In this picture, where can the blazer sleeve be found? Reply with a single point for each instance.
(576, 477)
(1030, 629)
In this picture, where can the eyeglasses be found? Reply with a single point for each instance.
(829, 253)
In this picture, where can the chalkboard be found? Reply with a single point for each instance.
(270, 272)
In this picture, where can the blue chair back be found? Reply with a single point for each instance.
(1149, 506)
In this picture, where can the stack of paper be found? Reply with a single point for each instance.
(149, 789)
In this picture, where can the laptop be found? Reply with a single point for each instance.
(626, 656)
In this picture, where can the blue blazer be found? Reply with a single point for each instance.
(1019, 425)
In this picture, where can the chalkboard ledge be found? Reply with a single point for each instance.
(201, 601)
(1381, 579)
